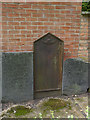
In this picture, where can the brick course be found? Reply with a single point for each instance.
(84, 38)
(23, 23)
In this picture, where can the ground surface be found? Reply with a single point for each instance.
(63, 107)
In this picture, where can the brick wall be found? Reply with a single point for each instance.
(0, 27)
(23, 23)
(84, 39)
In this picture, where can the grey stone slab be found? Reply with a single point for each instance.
(75, 77)
(0, 108)
(17, 77)
(0, 76)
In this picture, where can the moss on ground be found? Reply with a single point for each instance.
(19, 111)
(56, 104)
(79, 99)
(84, 58)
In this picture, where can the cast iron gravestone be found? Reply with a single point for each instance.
(48, 61)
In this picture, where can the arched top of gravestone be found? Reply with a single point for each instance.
(48, 39)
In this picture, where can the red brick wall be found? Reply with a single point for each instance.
(23, 23)
(0, 27)
(84, 39)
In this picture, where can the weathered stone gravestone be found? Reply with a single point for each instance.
(17, 77)
(0, 76)
(48, 63)
(75, 77)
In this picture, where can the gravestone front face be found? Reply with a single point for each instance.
(75, 76)
(48, 60)
(0, 76)
(17, 77)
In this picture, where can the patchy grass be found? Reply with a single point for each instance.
(56, 104)
(19, 111)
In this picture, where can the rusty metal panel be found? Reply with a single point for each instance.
(48, 58)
